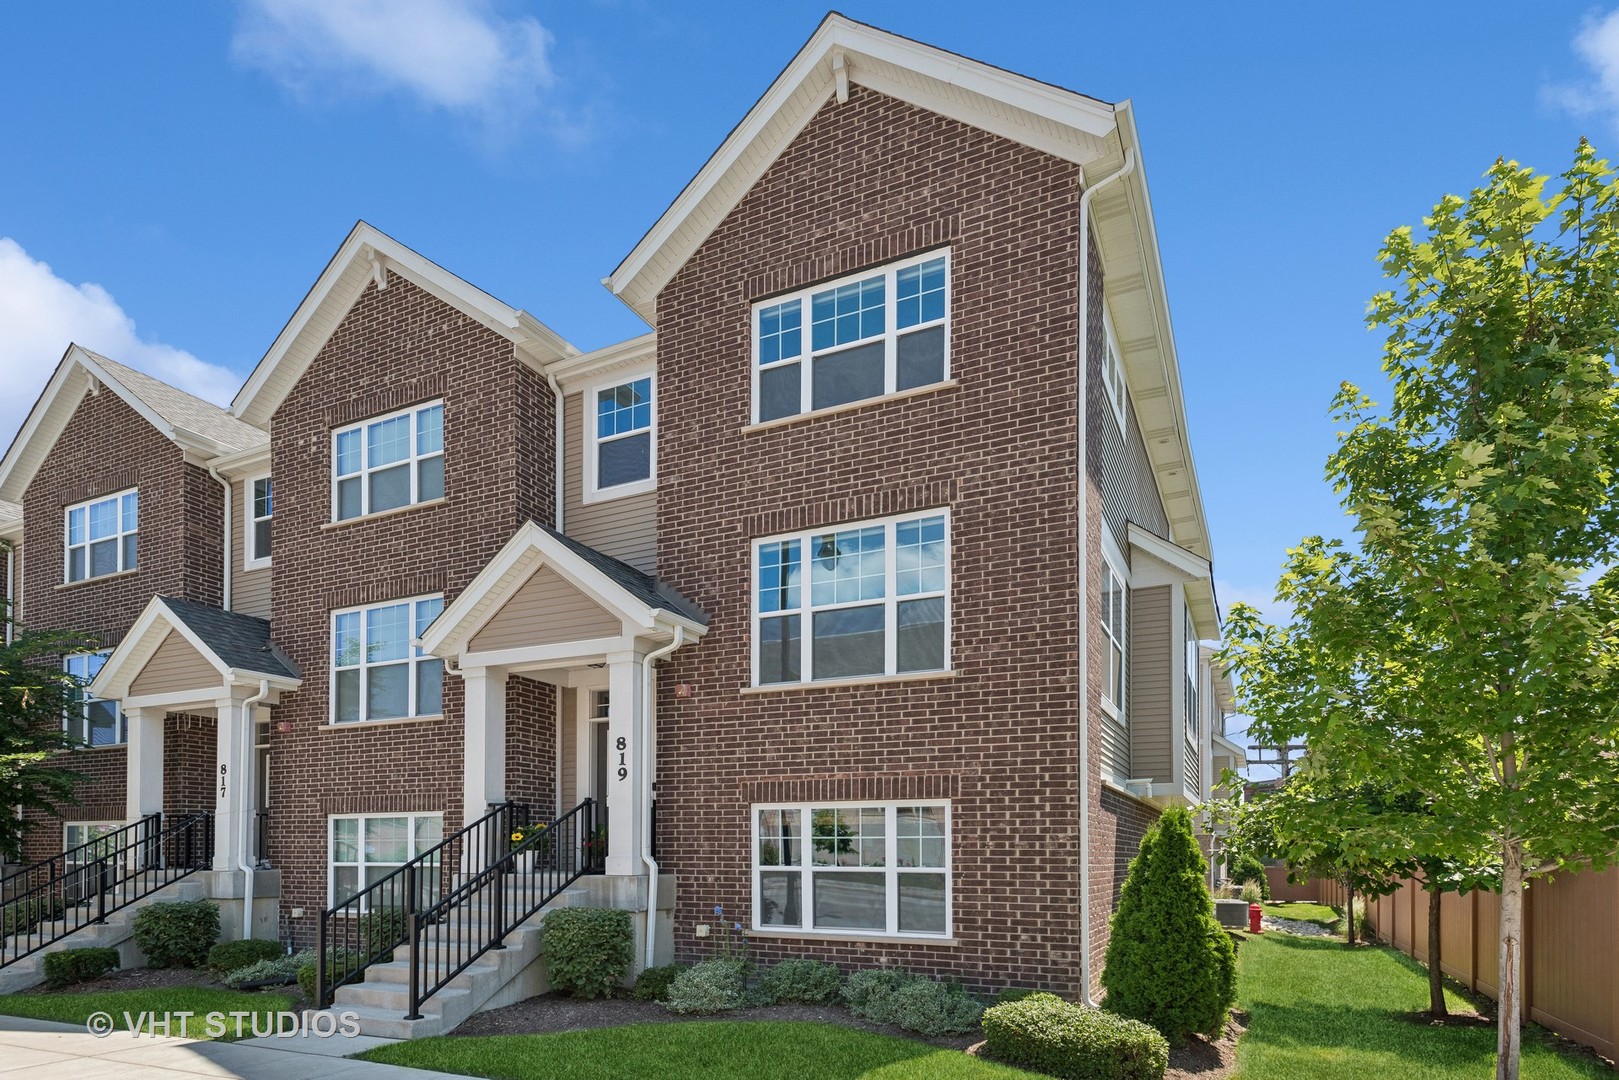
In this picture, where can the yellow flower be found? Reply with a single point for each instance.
(517, 838)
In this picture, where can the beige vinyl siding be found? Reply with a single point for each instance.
(1153, 734)
(1194, 769)
(625, 528)
(568, 740)
(1116, 745)
(176, 666)
(249, 589)
(545, 611)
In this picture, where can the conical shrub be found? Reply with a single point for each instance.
(1169, 963)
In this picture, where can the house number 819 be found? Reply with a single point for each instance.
(623, 768)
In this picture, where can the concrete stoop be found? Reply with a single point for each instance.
(116, 932)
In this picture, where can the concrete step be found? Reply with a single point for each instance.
(391, 1023)
(398, 972)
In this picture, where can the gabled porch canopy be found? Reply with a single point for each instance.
(548, 601)
(181, 652)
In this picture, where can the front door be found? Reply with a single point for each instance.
(600, 757)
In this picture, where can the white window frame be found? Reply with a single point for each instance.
(414, 656)
(590, 492)
(331, 842)
(890, 335)
(117, 538)
(251, 559)
(890, 601)
(890, 869)
(413, 460)
(121, 725)
(1113, 377)
(1112, 560)
(92, 830)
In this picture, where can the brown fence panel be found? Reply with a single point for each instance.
(1400, 923)
(1488, 961)
(1307, 890)
(1456, 937)
(1419, 922)
(1571, 927)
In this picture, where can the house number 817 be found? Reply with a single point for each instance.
(623, 768)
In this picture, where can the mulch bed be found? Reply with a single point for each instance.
(1208, 1059)
(137, 979)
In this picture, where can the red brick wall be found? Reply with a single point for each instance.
(395, 348)
(868, 181)
(190, 756)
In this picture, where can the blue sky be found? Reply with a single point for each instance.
(185, 169)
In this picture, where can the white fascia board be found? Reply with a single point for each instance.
(578, 369)
(1191, 564)
(254, 461)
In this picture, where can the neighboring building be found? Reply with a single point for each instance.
(821, 565)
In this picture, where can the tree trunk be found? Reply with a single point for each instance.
(1349, 913)
(1509, 1024)
(1436, 976)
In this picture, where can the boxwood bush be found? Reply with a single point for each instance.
(653, 982)
(278, 970)
(78, 965)
(1045, 1033)
(177, 934)
(716, 985)
(866, 992)
(588, 950)
(228, 956)
(913, 1002)
(810, 982)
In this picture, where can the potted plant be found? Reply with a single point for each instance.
(528, 841)
(595, 846)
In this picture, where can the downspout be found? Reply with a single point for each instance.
(11, 593)
(1085, 573)
(245, 785)
(561, 435)
(230, 514)
(648, 760)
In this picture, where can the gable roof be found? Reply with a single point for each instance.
(196, 426)
(368, 254)
(1057, 121)
(237, 646)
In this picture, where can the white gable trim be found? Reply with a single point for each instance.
(366, 255)
(1056, 121)
(156, 622)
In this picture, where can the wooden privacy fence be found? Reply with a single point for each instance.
(1570, 948)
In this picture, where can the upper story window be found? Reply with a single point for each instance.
(1115, 626)
(260, 508)
(873, 601)
(621, 449)
(388, 462)
(1113, 372)
(860, 337)
(89, 719)
(377, 674)
(103, 536)
(1192, 673)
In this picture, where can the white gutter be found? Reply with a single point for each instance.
(245, 786)
(11, 592)
(230, 513)
(648, 761)
(1085, 574)
(561, 437)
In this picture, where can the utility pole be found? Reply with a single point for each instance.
(1284, 756)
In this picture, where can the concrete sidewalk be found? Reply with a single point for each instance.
(47, 1050)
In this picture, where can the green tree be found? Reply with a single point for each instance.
(34, 694)
(1169, 963)
(1478, 612)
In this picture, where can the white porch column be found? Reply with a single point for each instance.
(234, 730)
(625, 784)
(484, 768)
(143, 787)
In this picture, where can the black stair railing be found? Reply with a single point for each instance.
(52, 898)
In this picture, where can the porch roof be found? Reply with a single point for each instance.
(237, 647)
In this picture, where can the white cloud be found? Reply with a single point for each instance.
(1597, 44)
(457, 55)
(40, 315)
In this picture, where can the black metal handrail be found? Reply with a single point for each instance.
(474, 916)
(371, 924)
(54, 897)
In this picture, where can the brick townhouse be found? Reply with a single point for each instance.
(866, 598)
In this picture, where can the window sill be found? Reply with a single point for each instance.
(360, 725)
(863, 403)
(97, 580)
(258, 564)
(833, 935)
(346, 522)
(841, 684)
(619, 491)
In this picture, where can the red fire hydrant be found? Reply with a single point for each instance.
(1255, 913)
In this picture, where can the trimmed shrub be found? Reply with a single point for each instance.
(381, 931)
(933, 1008)
(811, 982)
(78, 965)
(177, 934)
(653, 982)
(24, 915)
(1045, 1033)
(1168, 962)
(1014, 993)
(588, 950)
(277, 970)
(1248, 869)
(716, 985)
(338, 962)
(866, 992)
(228, 956)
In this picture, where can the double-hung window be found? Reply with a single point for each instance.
(621, 453)
(1113, 372)
(377, 674)
(1191, 677)
(364, 849)
(870, 334)
(880, 868)
(1114, 613)
(103, 536)
(860, 600)
(90, 720)
(388, 462)
(256, 539)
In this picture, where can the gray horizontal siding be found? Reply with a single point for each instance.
(1152, 684)
(625, 528)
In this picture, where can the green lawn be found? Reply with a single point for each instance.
(76, 1008)
(1319, 1010)
(1320, 914)
(714, 1050)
